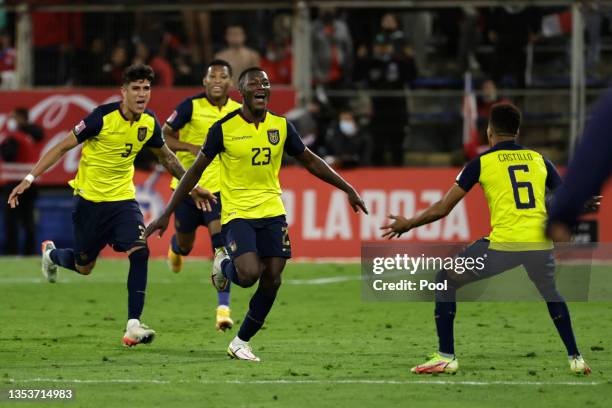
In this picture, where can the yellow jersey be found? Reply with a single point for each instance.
(110, 145)
(514, 180)
(194, 117)
(250, 157)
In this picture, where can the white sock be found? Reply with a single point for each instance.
(132, 323)
(237, 341)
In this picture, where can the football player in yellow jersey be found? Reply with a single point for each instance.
(193, 117)
(250, 143)
(514, 180)
(106, 211)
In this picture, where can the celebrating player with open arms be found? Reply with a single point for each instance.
(250, 143)
(185, 132)
(106, 212)
(514, 180)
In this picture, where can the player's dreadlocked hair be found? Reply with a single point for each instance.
(505, 119)
(137, 72)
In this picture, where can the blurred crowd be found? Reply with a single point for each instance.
(379, 53)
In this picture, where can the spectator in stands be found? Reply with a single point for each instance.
(91, 64)
(164, 73)
(390, 67)
(510, 29)
(56, 36)
(469, 35)
(278, 59)
(19, 152)
(239, 56)
(113, 69)
(311, 123)
(489, 96)
(347, 144)
(594, 14)
(7, 62)
(332, 51)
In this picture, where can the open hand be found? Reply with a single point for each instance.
(160, 223)
(203, 198)
(397, 227)
(356, 202)
(13, 199)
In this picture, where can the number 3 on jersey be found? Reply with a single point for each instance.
(517, 185)
(267, 153)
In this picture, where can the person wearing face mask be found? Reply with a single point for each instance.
(19, 152)
(347, 144)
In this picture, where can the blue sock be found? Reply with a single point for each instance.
(63, 258)
(561, 318)
(176, 248)
(259, 307)
(446, 308)
(229, 271)
(137, 282)
(445, 318)
(223, 297)
(217, 241)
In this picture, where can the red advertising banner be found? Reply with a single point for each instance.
(59, 110)
(323, 225)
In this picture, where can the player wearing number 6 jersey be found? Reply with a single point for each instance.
(106, 212)
(514, 180)
(250, 143)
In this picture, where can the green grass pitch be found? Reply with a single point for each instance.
(321, 345)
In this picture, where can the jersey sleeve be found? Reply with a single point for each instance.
(157, 140)
(90, 126)
(293, 144)
(553, 179)
(469, 175)
(181, 115)
(214, 141)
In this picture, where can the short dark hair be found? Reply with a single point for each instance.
(222, 63)
(505, 119)
(246, 71)
(137, 72)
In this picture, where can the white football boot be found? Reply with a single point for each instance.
(241, 350)
(49, 269)
(137, 333)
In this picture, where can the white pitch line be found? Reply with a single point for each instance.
(84, 280)
(291, 382)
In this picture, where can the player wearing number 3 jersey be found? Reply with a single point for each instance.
(106, 211)
(514, 180)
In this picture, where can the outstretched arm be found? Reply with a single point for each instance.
(437, 210)
(186, 184)
(48, 160)
(317, 167)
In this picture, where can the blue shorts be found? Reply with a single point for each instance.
(268, 237)
(119, 224)
(540, 266)
(188, 217)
